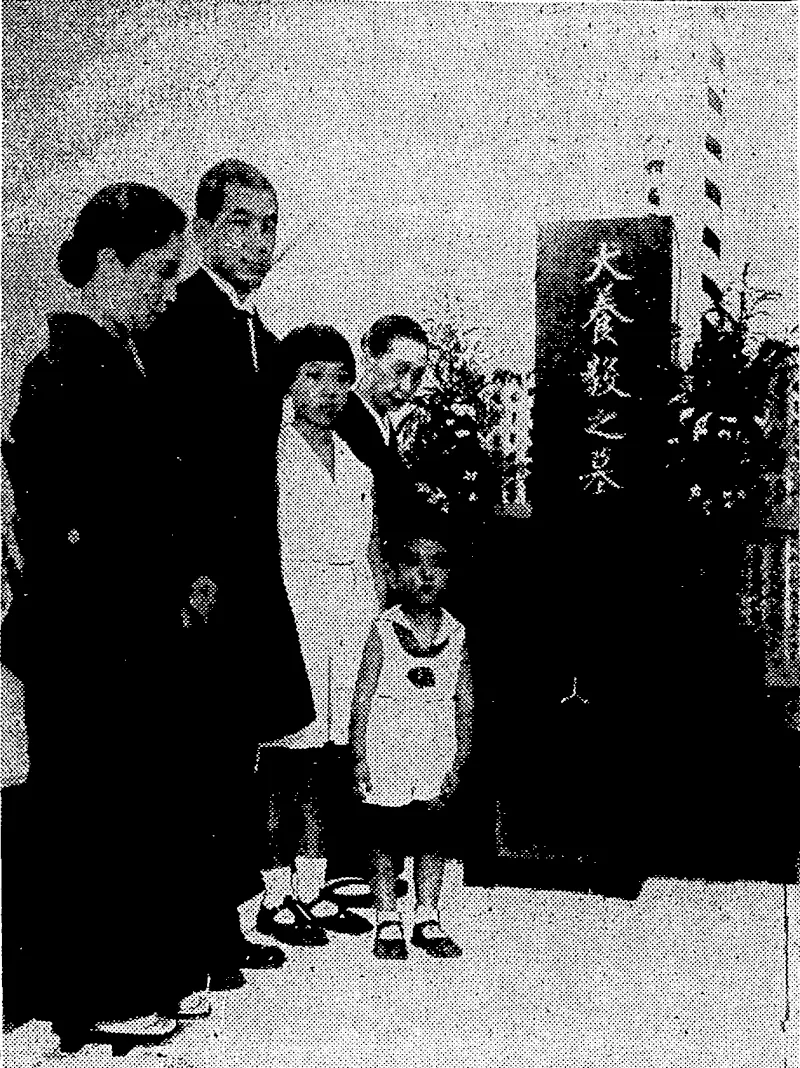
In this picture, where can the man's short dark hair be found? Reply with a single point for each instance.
(211, 190)
(381, 334)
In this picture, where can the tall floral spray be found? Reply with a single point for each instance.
(731, 435)
(447, 437)
(732, 453)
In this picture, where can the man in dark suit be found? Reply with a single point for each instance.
(218, 367)
(395, 352)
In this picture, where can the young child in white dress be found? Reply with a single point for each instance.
(411, 734)
(330, 561)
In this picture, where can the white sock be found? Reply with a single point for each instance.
(277, 886)
(425, 913)
(390, 916)
(309, 876)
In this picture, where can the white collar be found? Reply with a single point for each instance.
(247, 303)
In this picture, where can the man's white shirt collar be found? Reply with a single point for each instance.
(247, 303)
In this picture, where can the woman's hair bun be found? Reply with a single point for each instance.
(76, 262)
(128, 218)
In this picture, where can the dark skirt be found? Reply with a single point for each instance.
(107, 863)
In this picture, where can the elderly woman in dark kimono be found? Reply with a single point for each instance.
(91, 466)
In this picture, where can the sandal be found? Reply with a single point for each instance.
(437, 944)
(124, 1035)
(390, 948)
(194, 1005)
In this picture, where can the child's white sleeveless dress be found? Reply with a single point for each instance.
(411, 726)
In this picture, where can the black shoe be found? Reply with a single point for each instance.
(390, 948)
(436, 943)
(226, 980)
(300, 932)
(256, 956)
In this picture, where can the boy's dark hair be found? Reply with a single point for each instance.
(211, 190)
(398, 543)
(314, 343)
(381, 334)
(129, 218)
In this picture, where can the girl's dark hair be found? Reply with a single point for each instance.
(313, 343)
(129, 218)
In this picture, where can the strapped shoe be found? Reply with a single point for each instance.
(345, 921)
(298, 932)
(390, 948)
(429, 936)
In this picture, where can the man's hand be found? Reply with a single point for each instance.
(363, 784)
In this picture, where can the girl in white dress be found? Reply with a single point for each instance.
(334, 582)
(411, 733)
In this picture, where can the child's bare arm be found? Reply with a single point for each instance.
(366, 685)
(464, 718)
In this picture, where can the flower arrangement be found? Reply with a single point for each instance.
(731, 439)
(448, 437)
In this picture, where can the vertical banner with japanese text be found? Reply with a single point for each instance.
(596, 566)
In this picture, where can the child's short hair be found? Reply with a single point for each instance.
(398, 542)
(314, 344)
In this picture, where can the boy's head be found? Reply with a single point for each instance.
(420, 562)
(319, 365)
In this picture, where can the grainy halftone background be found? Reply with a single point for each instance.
(414, 147)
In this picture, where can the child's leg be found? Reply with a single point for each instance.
(277, 776)
(428, 933)
(287, 823)
(384, 885)
(389, 940)
(428, 876)
(310, 862)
